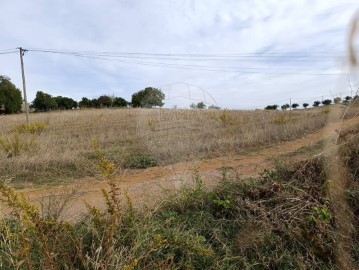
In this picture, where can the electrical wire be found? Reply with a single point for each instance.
(152, 60)
(179, 66)
(8, 52)
(193, 57)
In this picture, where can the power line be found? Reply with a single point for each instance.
(193, 57)
(186, 54)
(8, 52)
(126, 58)
(199, 66)
(180, 66)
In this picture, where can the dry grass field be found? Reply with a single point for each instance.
(286, 217)
(58, 145)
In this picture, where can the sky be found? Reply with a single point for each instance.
(238, 54)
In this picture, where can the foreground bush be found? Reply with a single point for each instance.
(276, 221)
(280, 220)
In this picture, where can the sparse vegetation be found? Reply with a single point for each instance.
(164, 136)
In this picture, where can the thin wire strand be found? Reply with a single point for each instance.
(189, 67)
(9, 52)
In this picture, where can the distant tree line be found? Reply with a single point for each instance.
(325, 102)
(202, 105)
(11, 100)
(103, 102)
(147, 98)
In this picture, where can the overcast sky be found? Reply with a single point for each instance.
(236, 54)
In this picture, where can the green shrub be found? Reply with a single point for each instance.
(139, 161)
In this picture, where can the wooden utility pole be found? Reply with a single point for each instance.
(22, 52)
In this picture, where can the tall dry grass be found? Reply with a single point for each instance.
(143, 137)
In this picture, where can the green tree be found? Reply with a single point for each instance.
(316, 103)
(201, 105)
(10, 96)
(43, 102)
(305, 105)
(85, 103)
(148, 98)
(295, 105)
(105, 101)
(95, 103)
(284, 106)
(327, 102)
(348, 98)
(271, 107)
(119, 102)
(65, 103)
(337, 100)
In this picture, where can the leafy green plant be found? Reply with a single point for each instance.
(139, 161)
(226, 203)
(320, 215)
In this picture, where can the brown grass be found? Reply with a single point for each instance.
(143, 137)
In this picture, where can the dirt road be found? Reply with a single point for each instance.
(148, 185)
